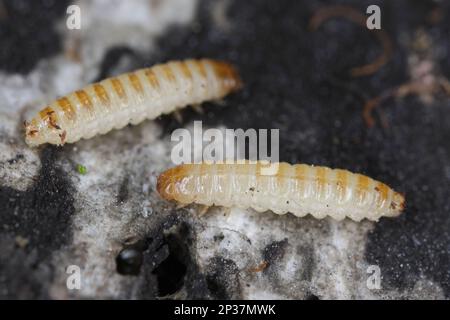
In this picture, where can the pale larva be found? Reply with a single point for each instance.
(131, 98)
(299, 189)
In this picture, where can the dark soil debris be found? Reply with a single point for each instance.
(42, 216)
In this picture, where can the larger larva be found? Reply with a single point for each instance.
(299, 189)
(131, 98)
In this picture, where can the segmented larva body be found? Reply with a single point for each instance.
(299, 189)
(130, 98)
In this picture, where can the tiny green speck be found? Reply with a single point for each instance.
(81, 169)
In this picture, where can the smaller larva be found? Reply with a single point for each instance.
(131, 98)
(300, 189)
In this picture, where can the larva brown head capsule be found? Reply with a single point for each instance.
(229, 76)
(167, 184)
(176, 184)
(397, 204)
(41, 130)
(164, 186)
(33, 136)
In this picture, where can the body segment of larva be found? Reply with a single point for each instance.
(131, 98)
(299, 189)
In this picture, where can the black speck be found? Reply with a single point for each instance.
(16, 159)
(219, 237)
(130, 258)
(129, 261)
(274, 251)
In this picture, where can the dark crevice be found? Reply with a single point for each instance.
(171, 272)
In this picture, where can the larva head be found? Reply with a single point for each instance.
(176, 184)
(228, 75)
(33, 133)
(37, 132)
(397, 204)
(164, 186)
